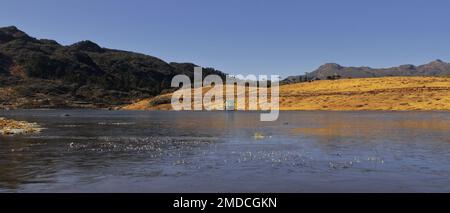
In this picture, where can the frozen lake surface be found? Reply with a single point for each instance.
(138, 151)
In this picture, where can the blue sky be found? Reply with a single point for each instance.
(248, 36)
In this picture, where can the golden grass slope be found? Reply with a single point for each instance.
(386, 93)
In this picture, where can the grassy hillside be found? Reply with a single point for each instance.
(386, 93)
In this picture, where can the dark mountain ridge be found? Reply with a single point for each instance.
(44, 73)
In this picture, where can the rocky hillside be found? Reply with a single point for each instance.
(42, 73)
(436, 68)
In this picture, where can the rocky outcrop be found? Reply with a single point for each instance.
(12, 127)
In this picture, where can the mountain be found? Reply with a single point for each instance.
(334, 71)
(42, 73)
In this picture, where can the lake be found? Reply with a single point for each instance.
(158, 151)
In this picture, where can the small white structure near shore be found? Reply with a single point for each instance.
(230, 105)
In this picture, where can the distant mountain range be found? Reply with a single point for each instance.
(335, 71)
(42, 73)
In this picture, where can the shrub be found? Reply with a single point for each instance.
(160, 100)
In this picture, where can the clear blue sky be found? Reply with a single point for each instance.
(248, 36)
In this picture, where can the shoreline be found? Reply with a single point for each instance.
(405, 93)
(170, 110)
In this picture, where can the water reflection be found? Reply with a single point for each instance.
(218, 152)
(21, 163)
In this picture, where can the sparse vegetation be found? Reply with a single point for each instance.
(386, 93)
(159, 100)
